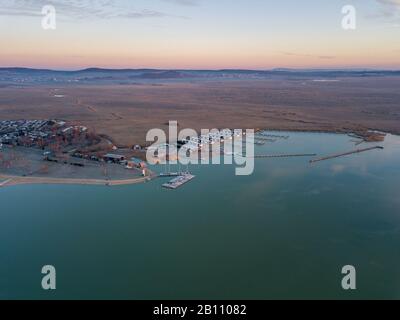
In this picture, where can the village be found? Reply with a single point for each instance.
(54, 149)
(39, 133)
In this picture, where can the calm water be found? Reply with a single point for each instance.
(284, 232)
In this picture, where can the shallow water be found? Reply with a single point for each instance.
(284, 232)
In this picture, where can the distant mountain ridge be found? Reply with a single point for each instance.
(12, 75)
(95, 69)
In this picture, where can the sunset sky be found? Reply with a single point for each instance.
(248, 34)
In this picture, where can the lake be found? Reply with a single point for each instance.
(284, 232)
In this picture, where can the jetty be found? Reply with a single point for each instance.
(3, 183)
(178, 181)
(259, 142)
(346, 154)
(284, 155)
(269, 135)
(172, 174)
(261, 138)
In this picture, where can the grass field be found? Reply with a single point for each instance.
(125, 113)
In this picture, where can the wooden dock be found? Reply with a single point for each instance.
(266, 134)
(285, 155)
(172, 174)
(346, 154)
(178, 181)
(262, 138)
(3, 183)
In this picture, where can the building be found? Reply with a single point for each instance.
(115, 158)
(137, 163)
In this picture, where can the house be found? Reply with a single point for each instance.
(67, 129)
(135, 162)
(115, 158)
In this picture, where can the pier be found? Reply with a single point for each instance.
(357, 142)
(346, 154)
(3, 183)
(178, 181)
(266, 134)
(262, 138)
(284, 155)
(259, 142)
(172, 174)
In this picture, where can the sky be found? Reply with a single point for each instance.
(200, 34)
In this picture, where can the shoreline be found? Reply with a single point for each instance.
(18, 180)
(10, 180)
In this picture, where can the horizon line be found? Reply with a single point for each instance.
(205, 69)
